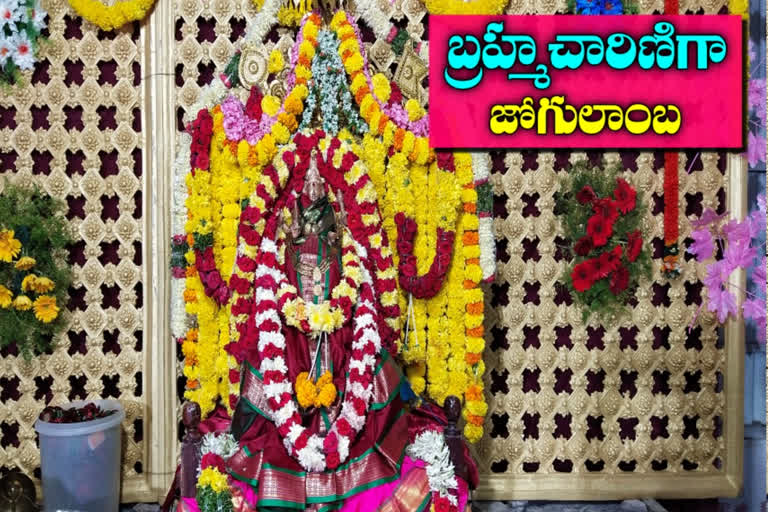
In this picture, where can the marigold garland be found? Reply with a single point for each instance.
(110, 17)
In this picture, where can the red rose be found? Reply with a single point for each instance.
(583, 275)
(212, 460)
(619, 280)
(234, 376)
(586, 195)
(625, 196)
(233, 401)
(395, 96)
(332, 460)
(599, 229)
(634, 245)
(442, 504)
(445, 161)
(583, 246)
(343, 427)
(203, 161)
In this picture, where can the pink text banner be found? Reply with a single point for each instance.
(612, 82)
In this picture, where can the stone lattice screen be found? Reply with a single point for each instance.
(75, 129)
(640, 402)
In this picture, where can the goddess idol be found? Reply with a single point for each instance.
(321, 423)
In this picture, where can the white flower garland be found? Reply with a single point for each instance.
(224, 445)
(481, 169)
(179, 319)
(430, 447)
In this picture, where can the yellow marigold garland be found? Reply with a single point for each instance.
(466, 7)
(475, 407)
(110, 17)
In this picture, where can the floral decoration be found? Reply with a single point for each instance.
(34, 274)
(756, 108)
(111, 17)
(601, 215)
(466, 7)
(21, 25)
(430, 447)
(213, 493)
(726, 246)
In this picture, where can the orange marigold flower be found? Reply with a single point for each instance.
(192, 384)
(472, 358)
(383, 123)
(475, 332)
(190, 240)
(472, 261)
(190, 296)
(470, 207)
(475, 420)
(469, 284)
(289, 120)
(475, 308)
(190, 271)
(399, 137)
(474, 393)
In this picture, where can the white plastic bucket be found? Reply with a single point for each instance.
(80, 462)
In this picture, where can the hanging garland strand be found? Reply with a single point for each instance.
(110, 17)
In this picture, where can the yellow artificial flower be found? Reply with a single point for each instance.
(43, 285)
(6, 297)
(213, 478)
(9, 246)
(25, 263)
(22, 303)
(46, 309)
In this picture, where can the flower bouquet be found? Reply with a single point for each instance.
(21, 25)
(34, 273)
(601, 215)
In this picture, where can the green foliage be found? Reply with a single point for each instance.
(44, 233)
(599, 300)
(209, 500)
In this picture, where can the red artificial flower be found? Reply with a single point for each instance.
(619, 280)
(625, 196)
(583, 246)
(609, 261)
(605, 208)
(586, 195)
(395, 96)
(584, 275)
(634, 245)
(359, 405)
(599, 229)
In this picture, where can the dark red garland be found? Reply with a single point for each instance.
(201, 130)
(425, 286)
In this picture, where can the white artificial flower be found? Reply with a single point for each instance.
(37, 16)
(24, 54)
(10, 13)
(6, 49)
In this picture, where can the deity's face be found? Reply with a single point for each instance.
(314, 185)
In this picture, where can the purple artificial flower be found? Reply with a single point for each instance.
(739, 255)
(722, 302)
(755, 149)
(758, 273)
(756, 93)
(709, 216)
(754, 310)
(703, 246)
(717, 275)
(737, 232)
